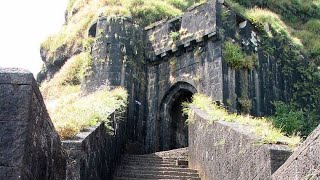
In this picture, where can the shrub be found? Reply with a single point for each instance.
(313, 25)
(287, 118)
(174, 36)
(233, 54)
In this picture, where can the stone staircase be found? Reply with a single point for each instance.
(171, 164)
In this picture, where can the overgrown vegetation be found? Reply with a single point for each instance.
(72, 113)
(287, 118)
(298, 19)
(288, 34)
(68, 79)
(235, 57)
(174, 36)
(262, 127)
(81, 14)
(69, 110)
(293, 120)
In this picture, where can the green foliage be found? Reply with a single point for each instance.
(262, 127)
(288, 118)
(302, 77)
(174, 36)
(298, 58)
(235, 57)
(294, 18)
(145, 12)
(313, 25)
(233, 54)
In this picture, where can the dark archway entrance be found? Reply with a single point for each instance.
(173, 130)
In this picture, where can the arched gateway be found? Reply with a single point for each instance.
(172, 128)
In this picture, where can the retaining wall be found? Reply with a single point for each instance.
(95, 152)
(223, 150)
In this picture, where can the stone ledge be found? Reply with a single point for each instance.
(19, 76)
(16, 76)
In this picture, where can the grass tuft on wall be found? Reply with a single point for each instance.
(72, 113)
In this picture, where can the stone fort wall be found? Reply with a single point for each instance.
(30, 148)
(169, 58)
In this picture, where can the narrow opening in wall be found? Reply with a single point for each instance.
(93, 30)
(175, 25)
(241, 21)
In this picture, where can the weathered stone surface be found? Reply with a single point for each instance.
(194, 24)
(118, 60)
(95, 152)
(30, 148)
(151, 64)
(304, 163)
(224, 150)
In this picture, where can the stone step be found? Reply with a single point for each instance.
(151, 168)
(125, 178)
(155, 172)
(161, 165)
(124, 161)
(148, 175)
(152, 165)
(149, 160)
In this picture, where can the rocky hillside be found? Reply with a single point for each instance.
(297, 18)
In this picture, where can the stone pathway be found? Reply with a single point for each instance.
(171, 164)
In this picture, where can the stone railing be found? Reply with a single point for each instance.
(95, 152)
(223, 150)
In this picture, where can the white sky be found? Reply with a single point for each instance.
(24, 24)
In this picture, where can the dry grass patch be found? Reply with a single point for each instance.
(72, 113)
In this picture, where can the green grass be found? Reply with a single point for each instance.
(72, 112)
(299, 20)
(262, 127)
